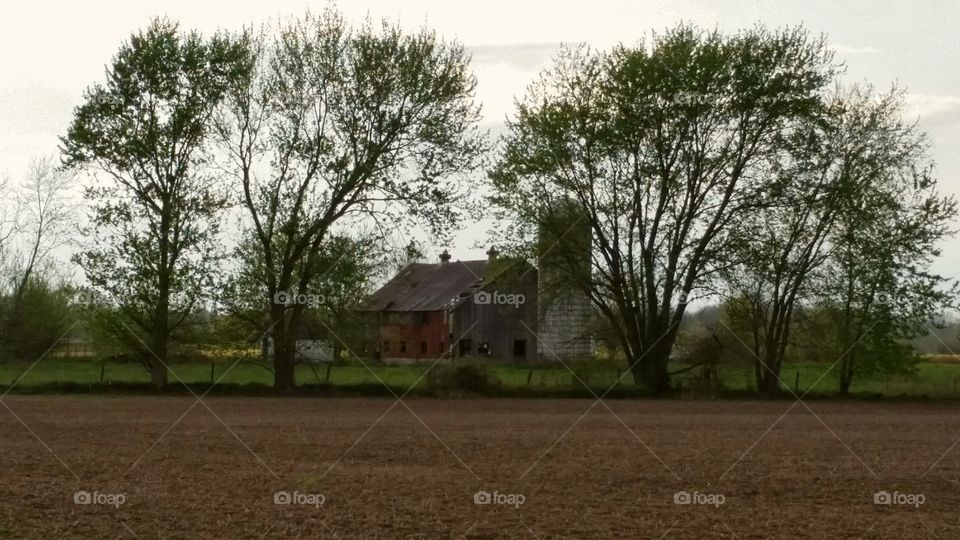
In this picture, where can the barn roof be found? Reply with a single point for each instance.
(428, 287)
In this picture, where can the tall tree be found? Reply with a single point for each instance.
(154, 207)
(830, 165)
(879, 286)
(660, 148)
(846, 179)
(337, 124)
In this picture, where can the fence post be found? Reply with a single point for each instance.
(103, 366)
(796, 383)
(329, 368)
(529, 376)
(212, 368)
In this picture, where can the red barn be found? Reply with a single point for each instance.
(483, 308)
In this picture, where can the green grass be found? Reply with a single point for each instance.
(935, 380)
(49, 371)
(84, 372)
(930, 379)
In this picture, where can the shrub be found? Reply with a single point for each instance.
(469, 378)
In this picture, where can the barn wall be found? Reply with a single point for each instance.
(500, 324)
(414, 329)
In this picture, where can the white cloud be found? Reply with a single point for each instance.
(522, 56)
(933, 111)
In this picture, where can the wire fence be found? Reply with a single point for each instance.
(936, 380)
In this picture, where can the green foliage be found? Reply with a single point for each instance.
(33, 323)
(878, 281)
(659, 148)
(347, 123)
(468, 378)
(155, 211)
(838, 251)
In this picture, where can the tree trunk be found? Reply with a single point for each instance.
(652, 371)
(161, 320)
(658, 377)
(770, 361)
(846, 373)
(158, 374)
(758, 373)
(771, 386)
(158, 356)
(770, 364)
(845, 382)
(283, 369)
(284, 351)
(159, 339)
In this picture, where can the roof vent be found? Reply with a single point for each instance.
(444, 257)
(492, 253)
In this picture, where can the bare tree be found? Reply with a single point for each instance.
(46, 215)
(33, 224)
(9, 221)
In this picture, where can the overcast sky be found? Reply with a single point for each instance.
(52, 50)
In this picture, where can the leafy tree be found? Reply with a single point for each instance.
(153, 224)
(351, 265)
(830, 166)
(337, 124)
(660, 148)
(879, 284)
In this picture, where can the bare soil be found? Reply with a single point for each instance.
(554, 469)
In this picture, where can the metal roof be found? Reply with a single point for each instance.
(428, 287)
